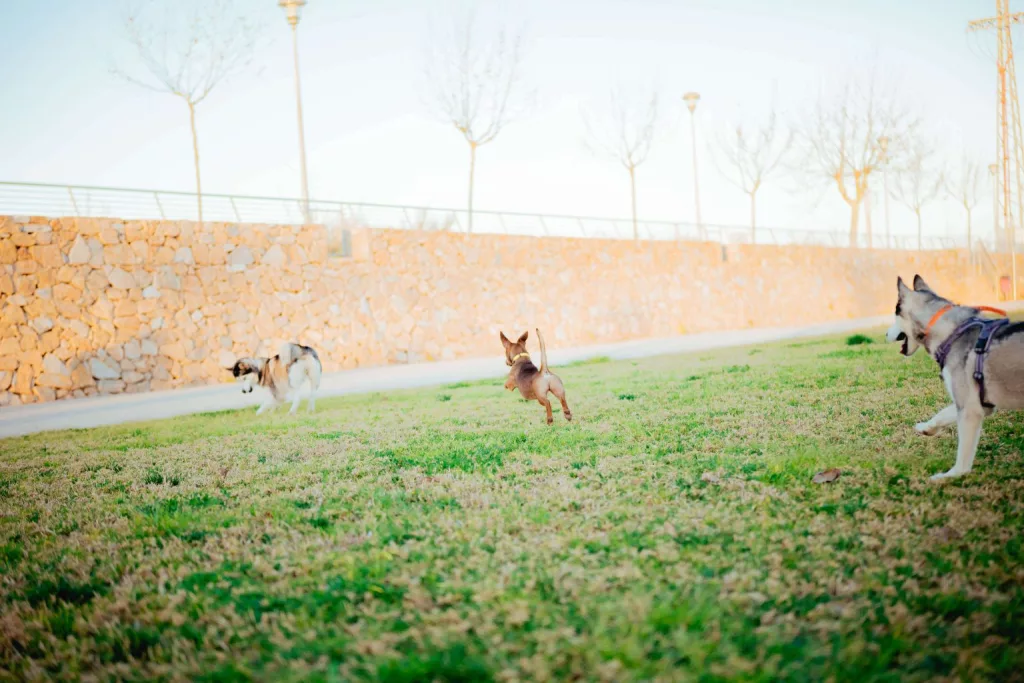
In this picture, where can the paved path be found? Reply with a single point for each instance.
(108, 410)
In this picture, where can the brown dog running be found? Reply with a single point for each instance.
(533, 383)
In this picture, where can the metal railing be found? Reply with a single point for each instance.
(43, 199)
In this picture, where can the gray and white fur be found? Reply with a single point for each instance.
(283, 376)
(1003, 367)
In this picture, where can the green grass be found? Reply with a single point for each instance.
(448, 534)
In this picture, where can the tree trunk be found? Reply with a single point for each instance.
(970, 243)
(920, 243)
(854, 218)
(472, 174)
(632, 189)
(195, 153)
(867, 217)
(753, 217)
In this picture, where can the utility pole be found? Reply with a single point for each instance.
(1010, 152)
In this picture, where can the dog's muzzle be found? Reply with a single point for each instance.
(895, 334)
(246, 390)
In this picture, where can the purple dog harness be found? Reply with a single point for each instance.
(988, 331)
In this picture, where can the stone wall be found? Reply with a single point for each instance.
(92, 306)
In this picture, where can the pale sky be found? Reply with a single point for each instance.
(371, 137)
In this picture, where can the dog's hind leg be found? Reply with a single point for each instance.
(314, 386)
(968, 427)
(556, 388)
(941, 420)
(543, 400)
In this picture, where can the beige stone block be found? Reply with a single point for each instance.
(120, 279)
(97, 281)
(24, 240)
(175, 351)
(49, 341)
(133, 350)
(42, 324)
(125, 307)
(118, 255)
(8, 251)
(109, 236)
(48, 256)
(52, 380)
(110, 386)
(23, 380)
(81, 377)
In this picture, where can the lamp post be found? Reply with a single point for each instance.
(292, 9)
(691, 99)
(883, 145)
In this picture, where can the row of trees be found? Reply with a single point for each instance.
(844, 142)
(476, 86)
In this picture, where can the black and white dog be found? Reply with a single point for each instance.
(283, 375)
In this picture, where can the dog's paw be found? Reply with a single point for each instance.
(951, 474)
(925, 429)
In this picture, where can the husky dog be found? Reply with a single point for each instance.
(533, 383)
(283, 375)
(981, 363)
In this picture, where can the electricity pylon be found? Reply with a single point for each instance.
(1008, 131)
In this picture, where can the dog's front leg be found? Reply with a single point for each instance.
(941, 420)
(968, 427)
(265, 406)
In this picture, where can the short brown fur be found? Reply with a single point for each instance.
(534, 383)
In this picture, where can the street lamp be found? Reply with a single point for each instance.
(883, 145)
(691, 99)
(292, 9)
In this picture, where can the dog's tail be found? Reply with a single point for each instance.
(543, 352)
(285, 354)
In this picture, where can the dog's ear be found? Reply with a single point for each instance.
(902, 288)
(523, 336)
(504, 340)
(920, 285)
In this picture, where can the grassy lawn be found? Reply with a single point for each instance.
(672, 532)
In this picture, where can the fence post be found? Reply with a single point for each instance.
(159, 206)
(74, 204)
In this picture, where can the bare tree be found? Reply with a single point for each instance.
(626, 137)
(840, 141)
(474, 86)
(918, 180)
(752, 157)
(965, 188)
(187, 52)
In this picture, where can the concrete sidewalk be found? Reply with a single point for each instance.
(108, 410)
